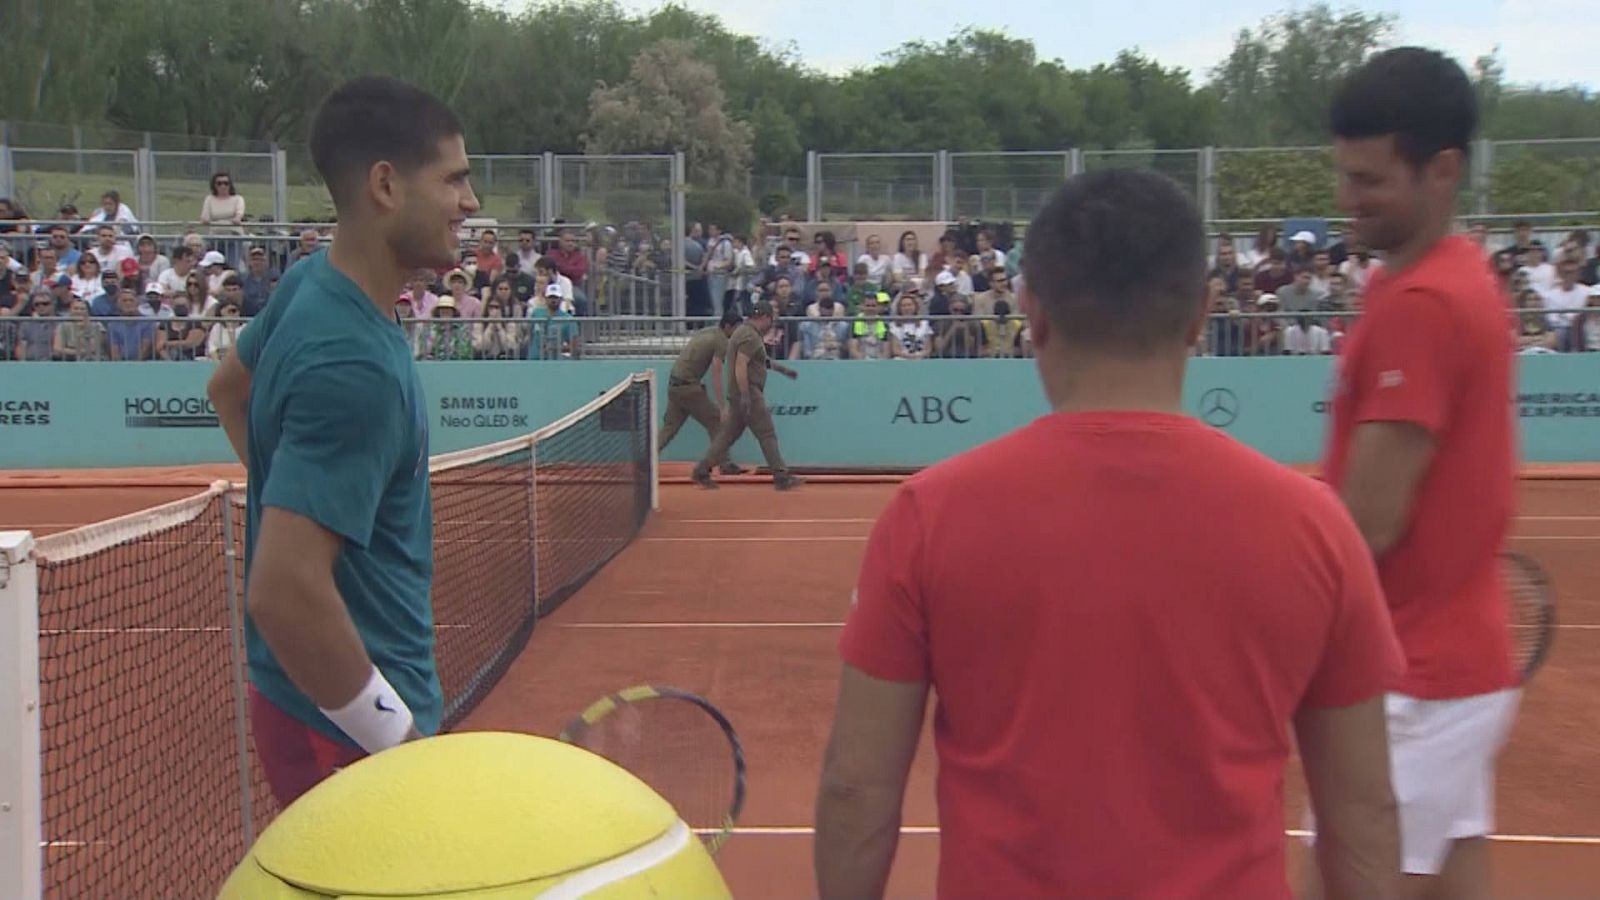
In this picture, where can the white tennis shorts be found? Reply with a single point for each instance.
(1441, 757)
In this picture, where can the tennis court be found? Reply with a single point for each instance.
(736, 595)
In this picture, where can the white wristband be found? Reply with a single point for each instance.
(377, 718)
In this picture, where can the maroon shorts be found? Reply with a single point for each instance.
(294, 755)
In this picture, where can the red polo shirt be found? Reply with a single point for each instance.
(1120, 614)
(1431, 349)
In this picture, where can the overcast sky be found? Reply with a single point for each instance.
(1548, 42)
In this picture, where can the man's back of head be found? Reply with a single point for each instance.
(1116, 264)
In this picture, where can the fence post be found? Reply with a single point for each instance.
(943, 208)
(1482, 162)
(8, 175)
(813, 186)
(680, 229)
(77, 149)
(1208, 184)
(1074, 162)
(21, 781)
(241, 708)
(280, 182)
(548, 187)
(144, 180)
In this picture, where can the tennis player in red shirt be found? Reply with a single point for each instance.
(1121, 611)
(1422, 449)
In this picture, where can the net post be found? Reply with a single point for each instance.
(650, 435)
(241, 708)
(533, 520)
(21, 779)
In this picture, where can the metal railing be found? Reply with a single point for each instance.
(1557, 177)
(863, 337)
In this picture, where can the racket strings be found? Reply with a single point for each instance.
(1532, 614)
(676, 749)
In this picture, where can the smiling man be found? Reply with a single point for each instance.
(323, 404)
(1422, 450)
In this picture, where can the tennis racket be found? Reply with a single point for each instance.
(1533, 612)
(679, 744)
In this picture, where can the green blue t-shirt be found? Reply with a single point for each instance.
(338, 433)
(552, 332)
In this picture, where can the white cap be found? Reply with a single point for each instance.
(1304, 237)
(1268, 298)
(944, 278)
(553, 290)
(213, 258)
(152, 288)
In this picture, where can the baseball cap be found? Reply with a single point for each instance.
(1264, 299)
(63, 281)
(552, 290)
(1304, 236)
(130, 266)
(213, 258)
(944, 278)
(763, 308)
(152, 288)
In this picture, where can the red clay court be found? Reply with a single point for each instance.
(738, 595)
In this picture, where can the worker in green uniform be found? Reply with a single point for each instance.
(747, 404)
(686, 395)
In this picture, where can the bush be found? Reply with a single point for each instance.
(730, 209)
(630, 205)
(1274, 184)
(773, 204)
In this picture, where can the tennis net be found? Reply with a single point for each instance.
(136, 777)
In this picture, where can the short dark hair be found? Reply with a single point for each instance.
(371, 119)
(1421, 97)
(1117, 259)
(731, 317)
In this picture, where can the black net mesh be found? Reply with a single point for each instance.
(149, 773)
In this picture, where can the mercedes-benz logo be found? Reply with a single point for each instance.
(1219, 407)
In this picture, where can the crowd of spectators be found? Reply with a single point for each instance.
(101, 289)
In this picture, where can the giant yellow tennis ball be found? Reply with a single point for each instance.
(485, 815)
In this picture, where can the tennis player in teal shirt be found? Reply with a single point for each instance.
(323, 403)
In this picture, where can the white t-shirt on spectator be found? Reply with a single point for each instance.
(905, 268)
(1304, 341)
(815, 311)
(877, 267)
(744, 262)
(1542, 277)
(171, 283)
(1560, 298)
(158, 267)
(914, 336)
(13, 264)
(124, 217)
(1355, 274)
(109, 261)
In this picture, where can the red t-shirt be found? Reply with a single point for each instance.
(1431, 349)
(1119, 614)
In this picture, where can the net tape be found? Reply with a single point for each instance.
(150, 784)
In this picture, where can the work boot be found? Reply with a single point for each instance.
(702, 477)
(787, 482)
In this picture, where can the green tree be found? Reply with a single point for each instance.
(1277, 82)
(672, 101)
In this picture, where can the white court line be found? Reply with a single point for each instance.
(856, 539)
(645, 625)
(751, 539)
(174, 629)
(806, 830)
(775, 521)
(623, 626)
